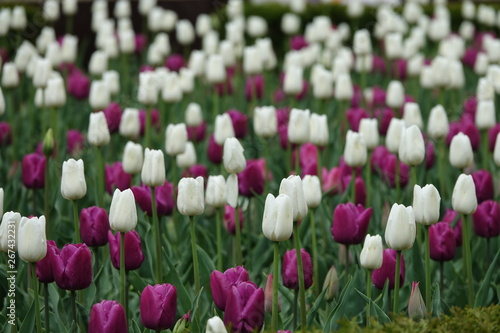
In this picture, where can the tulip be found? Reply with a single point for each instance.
(94, 225)
(395, 95)
(107, 316)
(355, 153)
(221, 284)
(292, 186)
(153, 170)
(72, 267)
(437, 125)
(122, 213)
(239, 121)
(416, 305)
(412, 115)
(394, 134)
(214, 151)
(230, 219)
(74, 141)
(32, 243)
(175, 139)
(130, 126)
(485, 115)
(55, 93)
(147, 92)
(411, 147)
(289, 270)
(387, 270)
(99, 97)
(368, 128)
(277, 222)
(113, 114)
(400, 230)
(312, 191)
(214, 69)
(10, 221)
(133, 250)
(293, 82)
(483, 182)
(350, 223)
(442, 242)
(487, 219)
(251, 179)
(193, 115)
(464, 200)
(115, 176)
(10, 75)
(216, 191)
(426, 203)
(132, 158)
(461, 155)
(197, 133)
(33, 171)
(78, 85)
(331, 284)
(372, 252)
(190, 198)
(254, 87)
(158, 306)
(73, 185)
(163, 195)
(44, 270)
(215, 325)
(234, 160)
(245, 307)
(318, 130)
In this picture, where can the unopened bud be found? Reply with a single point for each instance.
(48, 143)
(331, 284)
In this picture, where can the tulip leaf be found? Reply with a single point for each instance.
(436, 301)
(206, 264)
(29, 320)
(84, 316)
(334, 316)
(314, 309)
(386, 296)
(417, 271)
(482, 295)
(195, 317)
(183, 296)
(375, 310)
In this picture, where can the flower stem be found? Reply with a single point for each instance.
(427, 272)
(218, 213)
(300, 273)
(484, 149)
(195, 256)
(156, 226)
(468, 260)
(315, 251)
(123, 284)
(46, 307)
(73, 305)
(275, 314)
(237, 247)
(413, 177)
(100, 177)
(368, 294)
(76, 221)
(266, 158)
(37, 302)
(396, 283)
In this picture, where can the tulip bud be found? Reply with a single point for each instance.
(486, 219)
(464, 200)
(175, 139)
(98, 133)
(216, 191)
(223, 128)
(318, 130)
(107, 316)
(412, 115)
(184, 32)
(193, 116)
(132, 158)
(442, 242)
(221, 283)
(393, 45)
(293, 83)
(265, 122)
(350, 223)
(400, 230)
(98, 63)
(190, 197)
(99, 97)
(290, 23)
(256, 26)
(372, 252)
(10, 76)
(416, 304)
(171, 91)
(331, 284)
(394, 133)
(215, 71)
(130, 124)
(426, 203)
(232, 190)
(73, 185)
(158, 306)
(277, 222)
(481, 64)
(485, 115)
(147, 93)
(362, 44)
(292, 186)
(298, 126)
(395, 95)
(355, 153)
(32, 243)
(344, 90)
(122, 213)
(289, 270)
(188, 158)
(10, 221)
(239, 121)
(368, 128)
(252, 63)
(69, 7)
(412, 146)
(437, 125)
(153, 170)
(234, 160)
(44, 270)
(33, 171)
(94, 226)
(133, 250)
(461, 154)
(312, 191)
(72, 267)
(215, 325)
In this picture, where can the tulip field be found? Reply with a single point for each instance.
(293, 167)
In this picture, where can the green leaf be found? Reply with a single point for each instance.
(375, 310)
(183, 296)
(331, 322)
(28, 325)
(436, 301)
(312, 313)
(84, 316)
(196, 316)
(482, 295)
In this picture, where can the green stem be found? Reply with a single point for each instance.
(156, 226)
(289, 157)
(46, 307)
(413, 177)
(315, 251)
(76, 221)
(294, 309)
(73, 306)
(218, 214)
(215, 108)
(275, 314)
(396, 283)
(428, 301)
(368, 295)
(441, 276)
(484, 149)
(123, 285)
(37, 301)
(195, 256)
(297, 161)
(300, 273)
(237, 246)
(468, 259)
(147, 130)
(100, 177)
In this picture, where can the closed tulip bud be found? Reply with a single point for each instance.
(153, 170)
(290, 23)
(265, 122)
(464, 200)
(158, 306)
(239, 121)
(122, 213)
(393, 45)
(395, 95)
(487, 219)
(234, 159)
(362, 44)
(312, 191)
(133, 250)
(350, 223)
(412, 146)
(94, 226)
(412, 115)
(112, 79)
(268, 295)
(184, 32)
(44, 270)
(481, 64)
(372, 252)
(32, 243)
(221, 283)
(148, 89)
(461, 154)
(442, 242)
(368, 128)
(9, 219)
(41, 73)
(190, 198)
(10, 76)
(171, 91)
(394, 133)
(438, 125)
(99, 97)
(132, 158)
(355, 152)
(485, 115)
(292, 186)
(298, 126)
(72, 267)
(216, 191)
(98, 63)
(468, 10)
(400, 230)
(188, 158)
(175, 139)
(416, 305)
(331, 284)
(215, 71)
(223, 128)
(55, 93)
(484, 185)
(98, 134)
(194, 115)
(277, 222)
(107, 316)
(232, 190)
(215, 325)
(344, 90)
(73, 185)
(426, 203)
(289, 271)
(18, 20)
(51, 11)
(252, 62)
(33, 171)
(318, 130)
(293, 83)
(130, 126)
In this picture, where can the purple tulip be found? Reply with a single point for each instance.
(133, 250)
(429, 155)
(470, 56)
(378, 65)
(107, 317)
(383, 162)
(94, 226)
(484, 185)
(197, 170)
(116, 177)
(75, 142)
(214, 151)
(399, 70)
(230, 219)
(298, 42)
(388, 270)
(442, 242)
(354, 117)
(197, 133)
(33, 171)
(289, 271)
(449, 217)
(350, 223)
(239, 121)
(487, 219)
(468, 128)
(251, 179)
(221, 283)
(155, 120)
(163, 195)
(72, 267)
(245, 308)
(158, 306)
(378, 97)
(360, 189)
(44, 267)
(470, 107)
(254, 87)
(384, 116)
(140, 42)
(78, 85)
(146, 68)
(175, 62)
(113, 114)
(5, 134)
(492, 136)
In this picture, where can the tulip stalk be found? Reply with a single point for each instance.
(123, 283)
(156, 226)
(484, 149)
(368, 295)
(300, 273)
(46, 307)
(196, 266)
(427, 271)
(237, 247)
(218, 213)
(467, 259)
(315, 251)
(413, 176)
(37, 301)
(73, 305)
(275, 309)
(353, 184)
(396, 282)
(76, 222)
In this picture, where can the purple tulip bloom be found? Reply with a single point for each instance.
(44, 270)
(450, 217)
(158, 306)
(214, 151)
(487, 219)
(289, 270)
(245, 308)
(197, 170)
(5, 134)
(78, 85)
(298, 42)
(384, 116)
(116, 177)
(354, 117)
(163, 195)
(33, 171)
(492, 136)
(94, 226)
(221, 283)
(442, 242)
(350, 223)
(388, 270)
(251, 179)
(133, 250)
(254, 87)
(74, 141)
(140, 42)
(484, 185)
(113, 114)
(175, 62)
(72, 267)
(197, 133)
(107, 317)
(239, 121)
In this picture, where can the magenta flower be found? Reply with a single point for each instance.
(214, 151)
(450, 217)
(163, 195)
(289, 271)
(197, 170)
(487, 219)
(221, 283)
(94, 226)
(492, 136)
(158, 306)
(484, 185)
(5, 134)
(388, 270)
(116, 177)
(245, 308)
(33, 171)
(140, 42)
(354, 117)
(197, 133)
(384, 116)
(72, 267)
(239, 121)
(254, 87)
(350, 223)
(442, 242)
(74, 142)
(133, 250)
(175, 62)
(155, 120)
(251, 179)
(429, 155)
(467, 127)
(298, 42)
(44, 270)
(113, 115)
(78, 85)
(107, 317)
